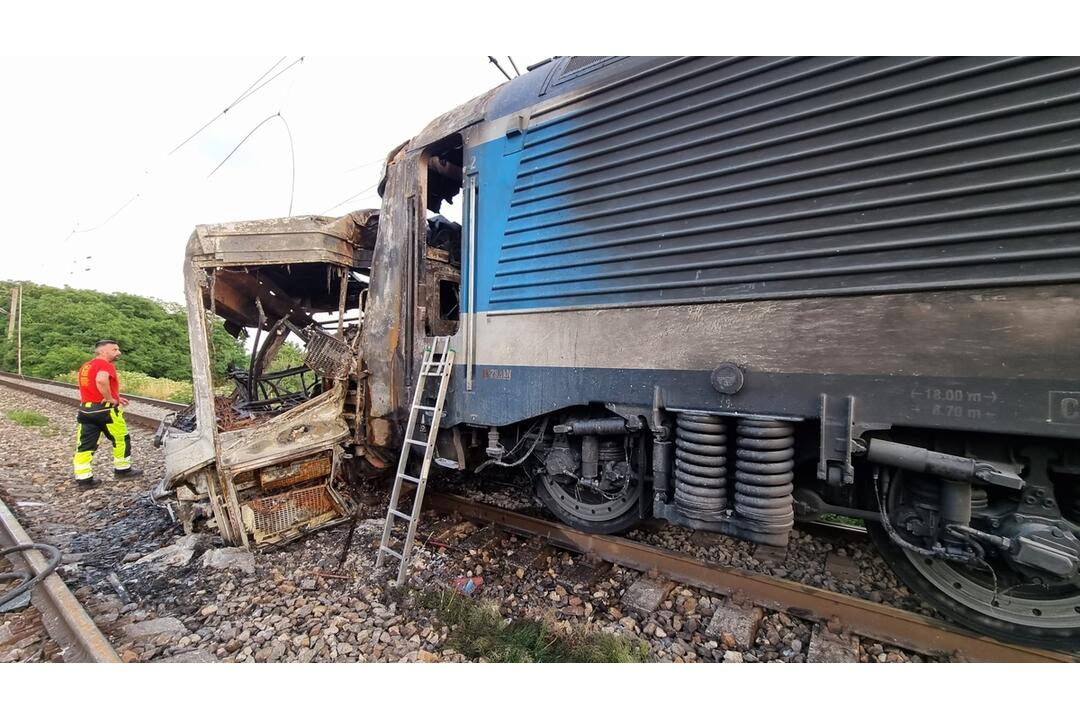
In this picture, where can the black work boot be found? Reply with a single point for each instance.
(87, 483)
(129, 473)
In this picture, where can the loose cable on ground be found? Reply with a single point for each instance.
(28, 582)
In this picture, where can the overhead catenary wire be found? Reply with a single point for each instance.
(259, 83)
(292, 154)
(361, 166)
(251, 90)
(107, 220)
(350, 198)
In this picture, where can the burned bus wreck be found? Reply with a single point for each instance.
(264, 459)
(261, 461)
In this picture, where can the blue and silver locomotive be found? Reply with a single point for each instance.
(734, 292)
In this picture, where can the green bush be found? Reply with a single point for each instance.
(61, 325)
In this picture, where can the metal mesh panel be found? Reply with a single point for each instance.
(580, 61)
(272, 478)
(328, 356)
(279, 513)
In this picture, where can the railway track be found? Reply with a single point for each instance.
(860, 617)
(63, 616)
(873, 620)
(67, 393)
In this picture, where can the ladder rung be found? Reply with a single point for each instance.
(431, 408)
(410, 478)
(400, 514)
(395, 553)
(421, 443)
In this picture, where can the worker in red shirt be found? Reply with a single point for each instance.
(100, 412)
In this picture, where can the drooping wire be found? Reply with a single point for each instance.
(106, 221)
(292, 152)
(495, 62)
(514, 65)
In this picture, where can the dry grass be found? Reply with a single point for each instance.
(137, 383)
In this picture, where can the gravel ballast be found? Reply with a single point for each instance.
(196, 601)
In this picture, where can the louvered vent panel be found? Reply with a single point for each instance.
(729, 178)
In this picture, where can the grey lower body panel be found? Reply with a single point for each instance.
(1036, 407)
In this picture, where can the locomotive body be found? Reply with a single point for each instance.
(727, 292)
(723, 290)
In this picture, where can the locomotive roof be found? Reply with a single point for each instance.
(544, 83)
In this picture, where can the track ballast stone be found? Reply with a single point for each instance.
(295, 604)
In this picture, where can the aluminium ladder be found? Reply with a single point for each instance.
(430, 368)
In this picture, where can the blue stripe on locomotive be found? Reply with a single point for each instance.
(497, 164)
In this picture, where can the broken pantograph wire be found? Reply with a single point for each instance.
(292, 154)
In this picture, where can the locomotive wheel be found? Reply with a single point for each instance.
(590, 511)
(1023, 613)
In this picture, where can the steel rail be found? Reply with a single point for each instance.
(133, 417)
(880, 622)
(16, 378)
(63, 616)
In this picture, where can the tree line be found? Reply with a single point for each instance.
(61, 325)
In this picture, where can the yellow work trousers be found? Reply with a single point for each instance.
(96, 419)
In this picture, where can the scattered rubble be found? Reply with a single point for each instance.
(179, 554)
(230, 558)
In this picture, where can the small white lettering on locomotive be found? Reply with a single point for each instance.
(954, 402)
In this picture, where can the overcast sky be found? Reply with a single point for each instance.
(91, 134)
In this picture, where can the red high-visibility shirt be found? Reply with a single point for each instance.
(88, 390)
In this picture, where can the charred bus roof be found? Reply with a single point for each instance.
(289, 259)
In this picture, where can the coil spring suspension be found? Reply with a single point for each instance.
(700, 466)
(979, 499)
(764, 463)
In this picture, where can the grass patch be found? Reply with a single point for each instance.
(27, 418)
(478, 630)
(843, 520)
